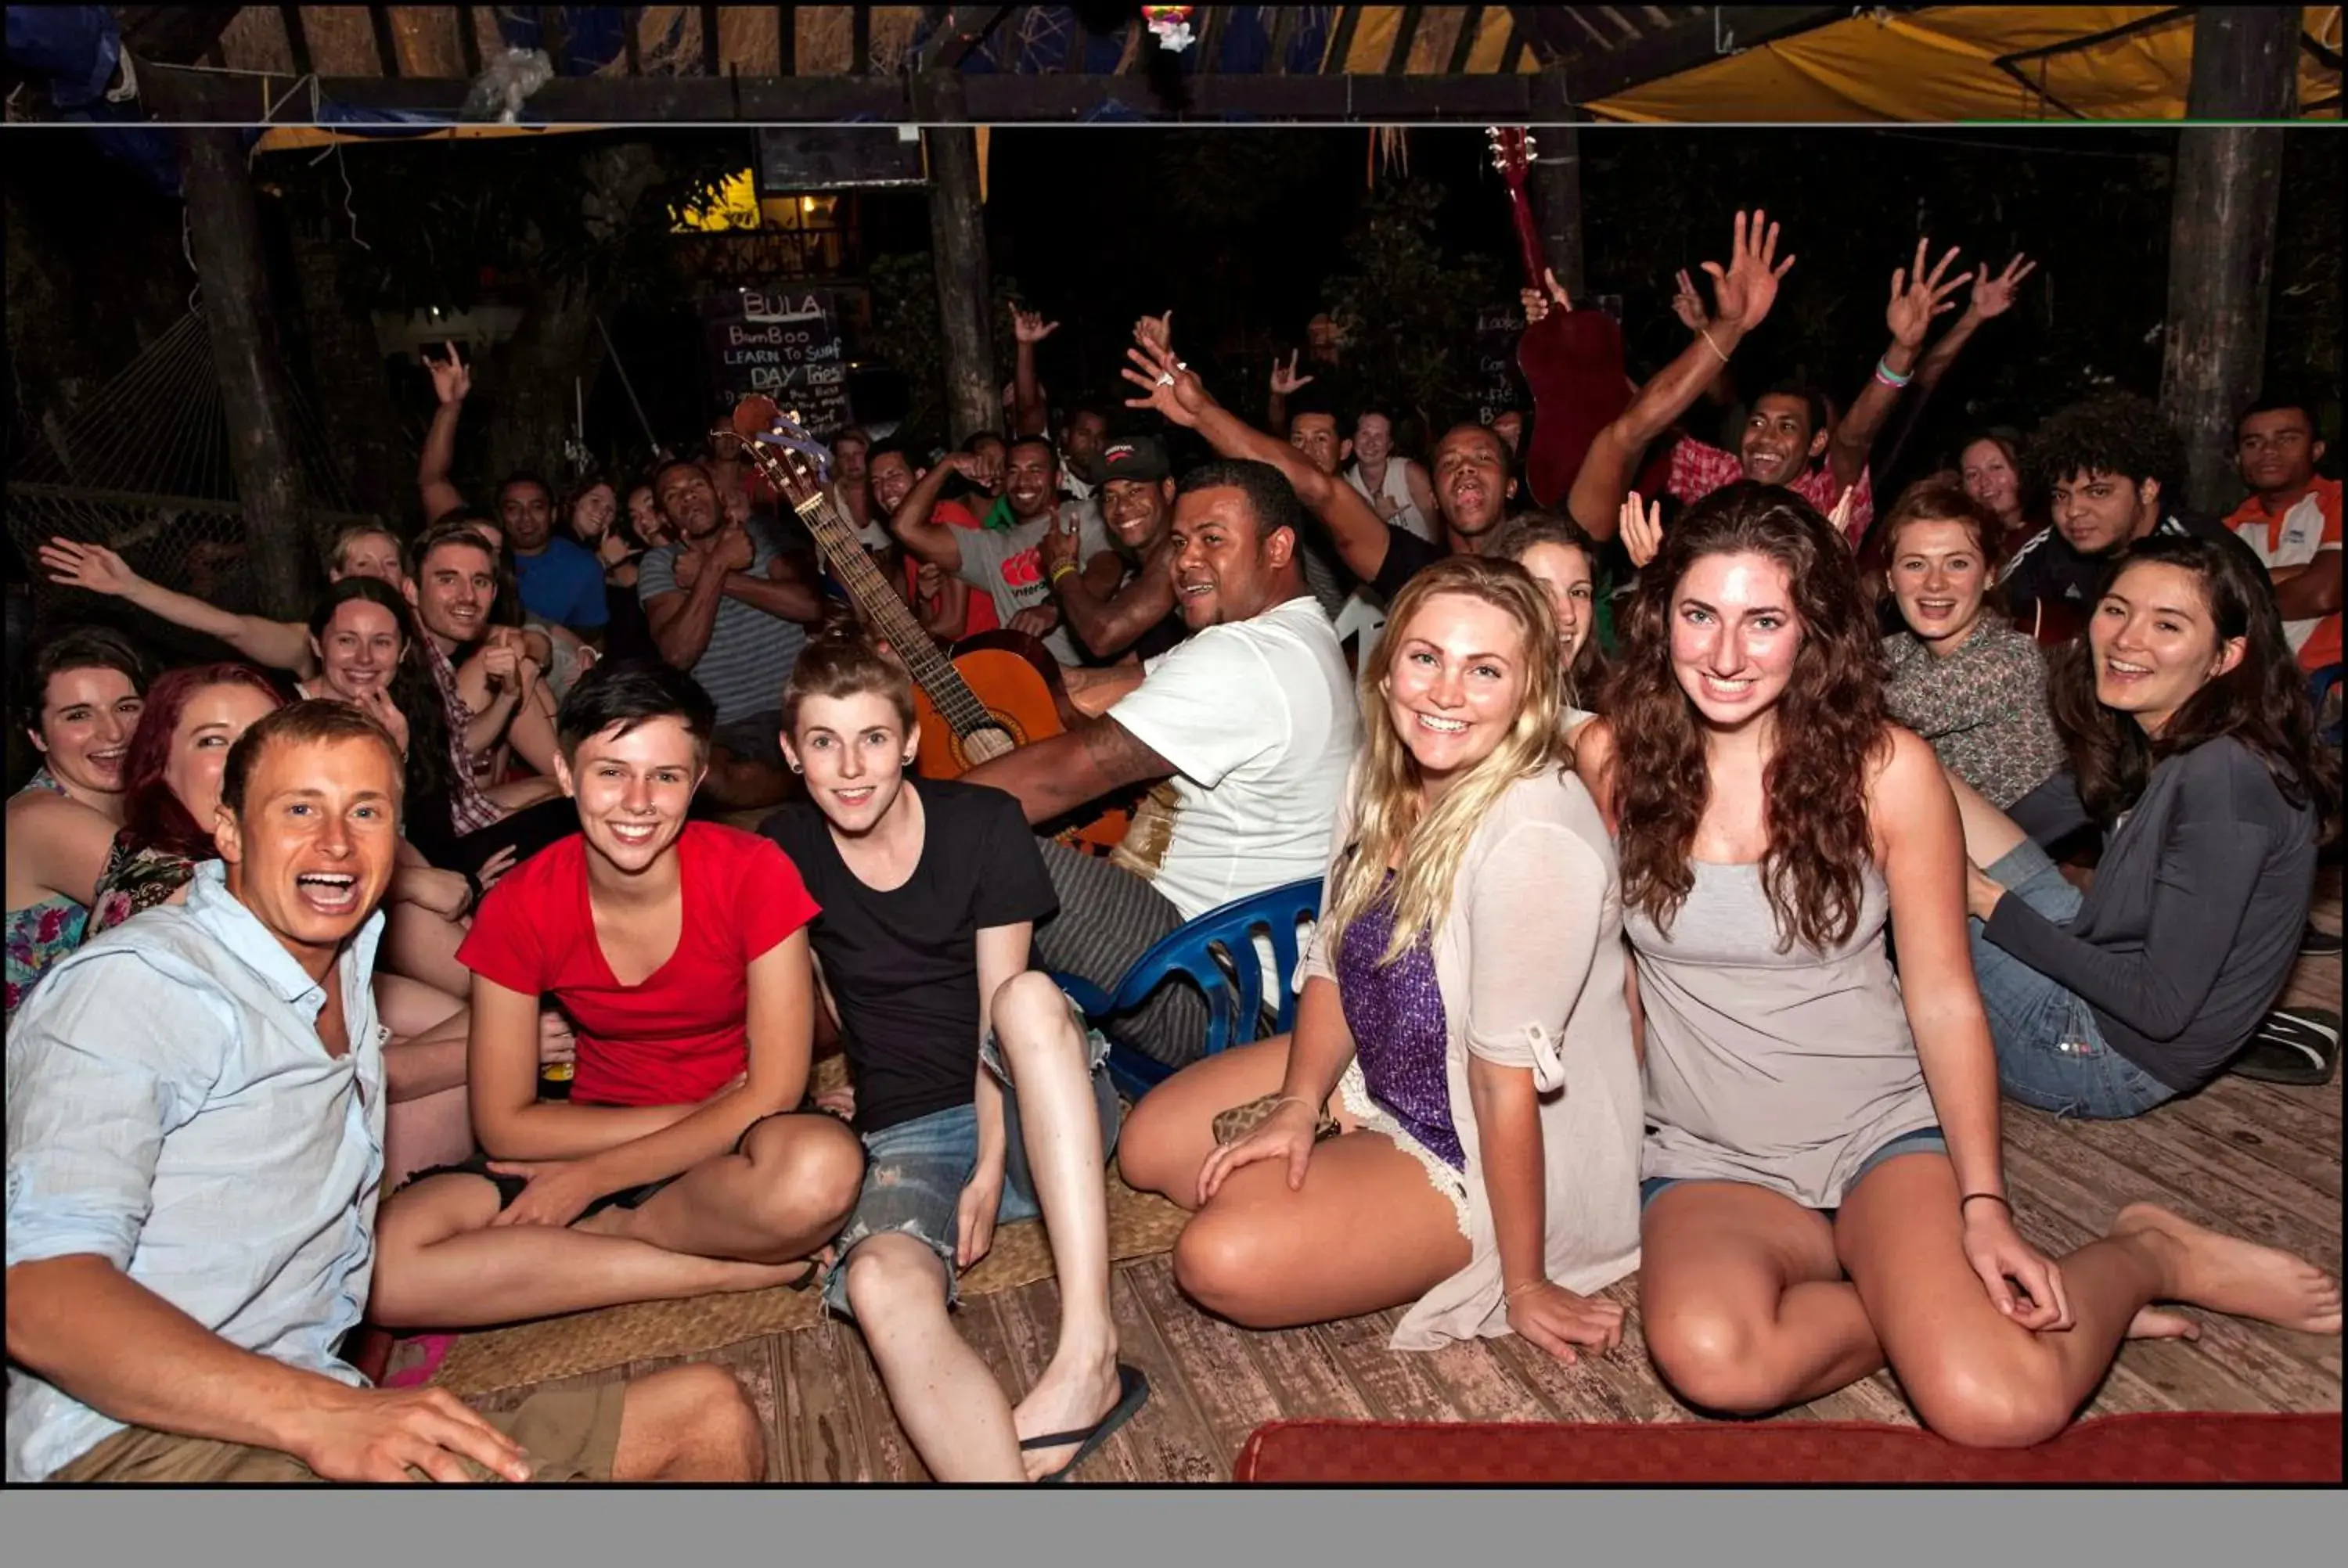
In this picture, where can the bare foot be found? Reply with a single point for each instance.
(2151, 1323)
(2240, 1278)
(1066, 1399)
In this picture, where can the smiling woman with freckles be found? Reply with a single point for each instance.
(1825, 1193)
(2190, 746)
(1453, 1126)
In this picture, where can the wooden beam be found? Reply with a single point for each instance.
(630, 23)
(1284, 33)
(709, 55)
(1668, 51)
(965, 27)
(177, 93)
(1406, 35)
(860, 41)
(232, 266)
(1514, 55)
(468, 39)
(786, 41)
(174, 35)
(1211, 39)
(958, 240)
(1080, 42)
(1532, 29)
(1341, 42)
(386, 42)
(2221, 234)
(297, 38)
(1471, 22)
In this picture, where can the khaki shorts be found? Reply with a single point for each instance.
(571, 1434)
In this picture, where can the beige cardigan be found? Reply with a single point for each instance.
(1530, 963)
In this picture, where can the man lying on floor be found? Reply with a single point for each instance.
(680, 1166)
(195, 1114)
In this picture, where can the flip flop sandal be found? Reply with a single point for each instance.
(2296, 1046)
(1134, 1393)
(2315, 942)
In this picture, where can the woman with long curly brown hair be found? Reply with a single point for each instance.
(2192, 746)
(1462, 1041)
(1825, 1193)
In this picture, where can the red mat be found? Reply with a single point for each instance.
(2171, 1448)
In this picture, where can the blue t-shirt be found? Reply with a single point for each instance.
(565, 584)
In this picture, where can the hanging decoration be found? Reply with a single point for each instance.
(1171, 23)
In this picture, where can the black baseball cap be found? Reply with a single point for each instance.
(1129, 457)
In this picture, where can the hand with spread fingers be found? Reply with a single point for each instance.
(1918, 296)
(1742, 292)
(452, 378)
(1167, 385)
(70, 563)
(1030, 327)
(1285, 382)
(1286, 1134)
(1995, 296)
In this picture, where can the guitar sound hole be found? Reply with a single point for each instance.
(985, 745)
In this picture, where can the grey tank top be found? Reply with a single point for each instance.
(1783, 1068)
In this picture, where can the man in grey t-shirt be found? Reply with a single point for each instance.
(728, 606)
(1005, 564)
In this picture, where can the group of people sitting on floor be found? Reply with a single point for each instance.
(1707, 956)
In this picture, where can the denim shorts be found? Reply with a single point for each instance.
(914, 1171)
(1922, 1140)
(2051, 1052)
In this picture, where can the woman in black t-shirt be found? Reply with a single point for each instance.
(979, 1093)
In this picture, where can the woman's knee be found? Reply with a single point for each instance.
(1713, 1358)
(887, 1275)
(1030, 1010)
(1149, 1145)
(1222, 1263)
(812, 1168)
(1989, 1401)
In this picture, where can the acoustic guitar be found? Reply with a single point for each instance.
(990, 695)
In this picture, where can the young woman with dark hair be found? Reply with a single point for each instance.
(2192, 748)
(1564, 561)
(1823, 1187)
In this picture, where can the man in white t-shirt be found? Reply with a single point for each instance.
(1253, 720)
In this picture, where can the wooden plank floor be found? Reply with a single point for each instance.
(2256, 1160)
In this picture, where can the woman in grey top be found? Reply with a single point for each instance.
(2192, 746)
(1825, 1193)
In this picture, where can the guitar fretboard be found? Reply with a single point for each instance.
(880, 610)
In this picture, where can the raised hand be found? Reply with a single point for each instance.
(1995, 296)
(501, 664)
(1537, 303)
(381, 1434)
(1917, 297)
(73, 564)
(1285, 382)
(1167, 384)
(1688, 305)
(1030, 327)
(1057, 546)
(733, 551)
(376, 704)
(1642, 529)
(1154, 331)
(1742, 292)
(452, 379)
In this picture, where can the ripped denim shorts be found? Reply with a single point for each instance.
(914, 1171)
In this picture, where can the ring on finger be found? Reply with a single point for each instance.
(1164, 378)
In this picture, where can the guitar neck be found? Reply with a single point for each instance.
(878, 606)
(1528, 241)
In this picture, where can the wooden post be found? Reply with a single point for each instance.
(1556, 181)
(2221, 235)
(224, 232)
(958, 233)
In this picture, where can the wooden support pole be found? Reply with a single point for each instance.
(958, 236)
(1556, 182)
(224, 232)
(2222, 232)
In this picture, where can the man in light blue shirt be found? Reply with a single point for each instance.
(195, 1115)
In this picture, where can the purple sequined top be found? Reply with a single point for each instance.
(1400, 1036)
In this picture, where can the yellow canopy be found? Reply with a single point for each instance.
(1941, 64)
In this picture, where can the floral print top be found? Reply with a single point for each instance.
(136, 880)
(40, 934)
(1983, 708)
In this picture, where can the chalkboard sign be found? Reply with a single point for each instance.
(1498, 385)
(792, 158)
(786, 342)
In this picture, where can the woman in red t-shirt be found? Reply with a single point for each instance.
(679, 1165)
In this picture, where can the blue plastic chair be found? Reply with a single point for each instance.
(1192, 952)
(2319, 686)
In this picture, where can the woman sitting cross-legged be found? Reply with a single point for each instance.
(1462, 1041)
(1824, 1188)
(2191, 746)
(171, 792)
(1958, 675)
(679, 1165)
(979, 1094)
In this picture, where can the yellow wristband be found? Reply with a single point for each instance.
(1060, 571)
